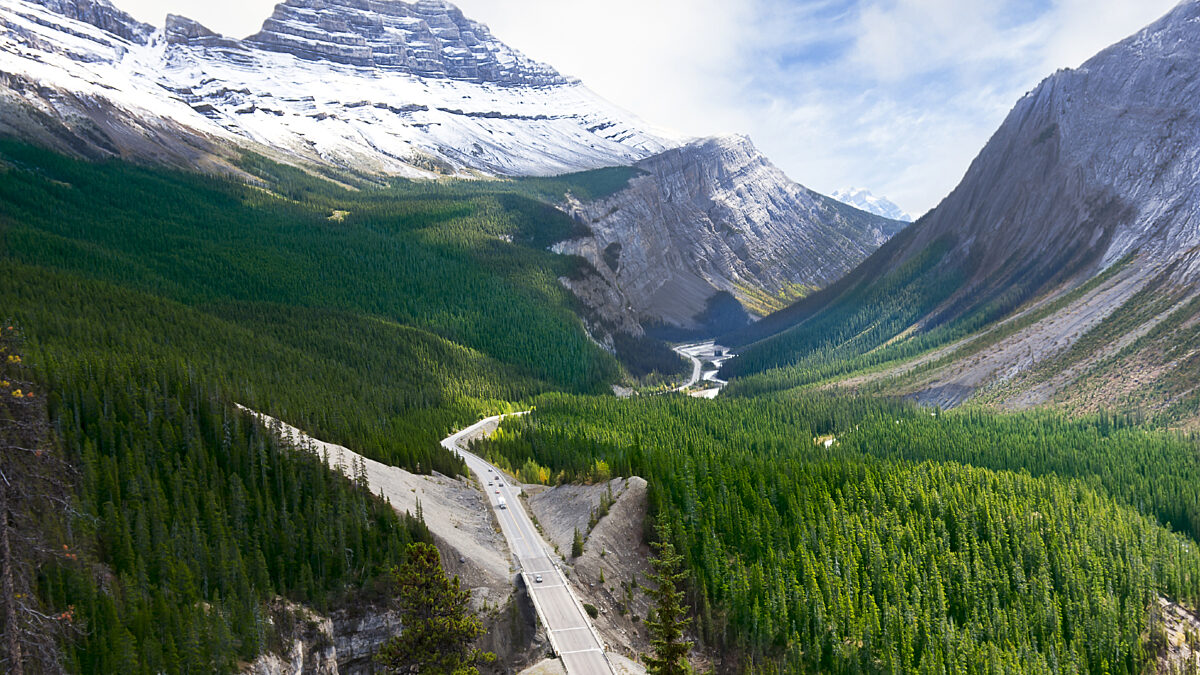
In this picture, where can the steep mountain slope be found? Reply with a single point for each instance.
(1095, 171)
(864, 199)
(409, 88)
(713, 224)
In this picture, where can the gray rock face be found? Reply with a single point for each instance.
(429, 38)
(1092, 165)
(101, 14)
(357, 637)
(713, 216)
(181, 30)
(308, 646)
(1095, 166)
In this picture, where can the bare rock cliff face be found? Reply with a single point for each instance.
(102, 15)
(716, 216)
(1097, 170)
(1094, 164)
(429, 38)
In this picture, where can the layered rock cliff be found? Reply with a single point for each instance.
(715, 219)
(428, 38)
(1079, 218)
(379, 86)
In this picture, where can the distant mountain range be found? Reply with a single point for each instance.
(1068, 258)
(863, 199)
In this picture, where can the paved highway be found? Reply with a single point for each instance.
(697, 353)
(571, 634)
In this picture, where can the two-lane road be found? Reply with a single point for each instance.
(571, 634)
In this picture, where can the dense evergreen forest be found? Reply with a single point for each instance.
(1031, 544)
(200, 517)
(153, 301)
(378, 318)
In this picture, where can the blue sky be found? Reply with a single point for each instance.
(896, 96)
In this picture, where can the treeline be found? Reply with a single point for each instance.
(200, 517)
(854, 559)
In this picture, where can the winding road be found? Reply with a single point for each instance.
(695, 353)
(571, 633)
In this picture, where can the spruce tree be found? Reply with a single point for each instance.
(438, 626)
(668, 619)
(577, 544)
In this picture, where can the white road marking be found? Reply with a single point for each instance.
(554, 607)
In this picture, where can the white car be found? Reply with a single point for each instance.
(537, 578)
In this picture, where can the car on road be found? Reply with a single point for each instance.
(497, 492)
(537, 578)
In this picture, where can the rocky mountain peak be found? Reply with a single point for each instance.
(713, 224)
(427, 38)
(102, 15)
(1094, 164)
(861, 198)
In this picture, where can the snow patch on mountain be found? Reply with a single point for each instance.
(393, 87)
(861, 198)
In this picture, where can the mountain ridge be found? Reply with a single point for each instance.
(1093, 169)
(714, 221)
(864, 199)
(433, 94)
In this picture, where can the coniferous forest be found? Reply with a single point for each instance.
(952, 542)
(152, 302)
(816, 532)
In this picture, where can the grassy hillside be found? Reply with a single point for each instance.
(956, 543)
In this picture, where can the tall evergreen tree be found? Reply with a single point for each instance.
(577, 544)
(668, 619)
(438, 627)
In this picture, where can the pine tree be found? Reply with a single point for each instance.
(577, 544)
(668, 619)
(438, 627)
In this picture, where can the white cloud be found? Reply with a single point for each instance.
(894, 95)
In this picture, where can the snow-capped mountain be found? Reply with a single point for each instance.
(861, 198)
(387, 86)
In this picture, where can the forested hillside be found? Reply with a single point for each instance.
(377, 318)
(186, 519)
(152, 302)
(914, 542)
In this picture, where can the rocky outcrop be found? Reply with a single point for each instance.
(357, 636)
(181, 30)
(715, 216)
(102, 15)
(306, 644)
(429, 38)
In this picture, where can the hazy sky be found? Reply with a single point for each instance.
(893, 95)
